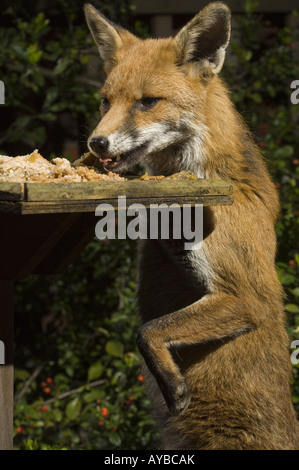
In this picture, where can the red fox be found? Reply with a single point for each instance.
(213, 336)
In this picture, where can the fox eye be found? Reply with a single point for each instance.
(147, 103)
(105, 103)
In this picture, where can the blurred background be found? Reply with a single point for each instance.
(78, 379)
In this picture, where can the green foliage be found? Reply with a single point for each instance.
(78, 378)
(50, 66)
(89, 391)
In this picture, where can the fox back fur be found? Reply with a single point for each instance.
(213, 336)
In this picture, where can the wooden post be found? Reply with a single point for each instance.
(6, 365)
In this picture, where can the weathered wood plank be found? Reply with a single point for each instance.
(11, 191)
(10, 207)
(42, 198)
(35, 192)
(6, 370)
(91, 205)
(6, 407)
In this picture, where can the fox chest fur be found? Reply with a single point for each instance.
(212, 337)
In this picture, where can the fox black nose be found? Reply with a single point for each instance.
(99, 144)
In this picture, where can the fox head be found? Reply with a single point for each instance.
(154, 99)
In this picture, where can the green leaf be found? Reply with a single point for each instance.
(256, 97)
(114, 348)
(114, 439)
(103, 331)
(19, 51)
(292, 308)
(57, 415)
(31, 445)
(284, 151)
(286, 279)
(73, 408)
(62, 66)
(39, 424)
(47, 117)
(21, 374)
(247, 55)
(132, 359)
(295, 291)
(38, 78)
(69, 370)
(93, 395)
(271, 90)
(95, 371)
(118, 378)
(34, 56)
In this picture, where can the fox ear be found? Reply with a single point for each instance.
(205, 38)
(110, 38)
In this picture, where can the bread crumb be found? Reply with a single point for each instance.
(33, 167)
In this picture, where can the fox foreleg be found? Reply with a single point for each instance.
(214, 317)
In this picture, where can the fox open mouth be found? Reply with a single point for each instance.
(112, 162)
(115, 162)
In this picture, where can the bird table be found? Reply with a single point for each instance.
(44, 226)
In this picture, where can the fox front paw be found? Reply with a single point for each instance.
(177, 397)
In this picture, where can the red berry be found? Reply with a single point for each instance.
(141, 378)
(49, 380)
(295, 162)
(19, 429)
(114, 429)
(262, 144)
(101, 423)
(277, 185)
(105, 412)
(44, 408)
(292, 262)
(43, 384)
(47, 390)
(129, 400)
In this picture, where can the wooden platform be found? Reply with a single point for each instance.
(46, 198)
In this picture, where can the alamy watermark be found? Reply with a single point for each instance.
(295, 94)
(2, 353)
(160, 221)
(2, 92)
